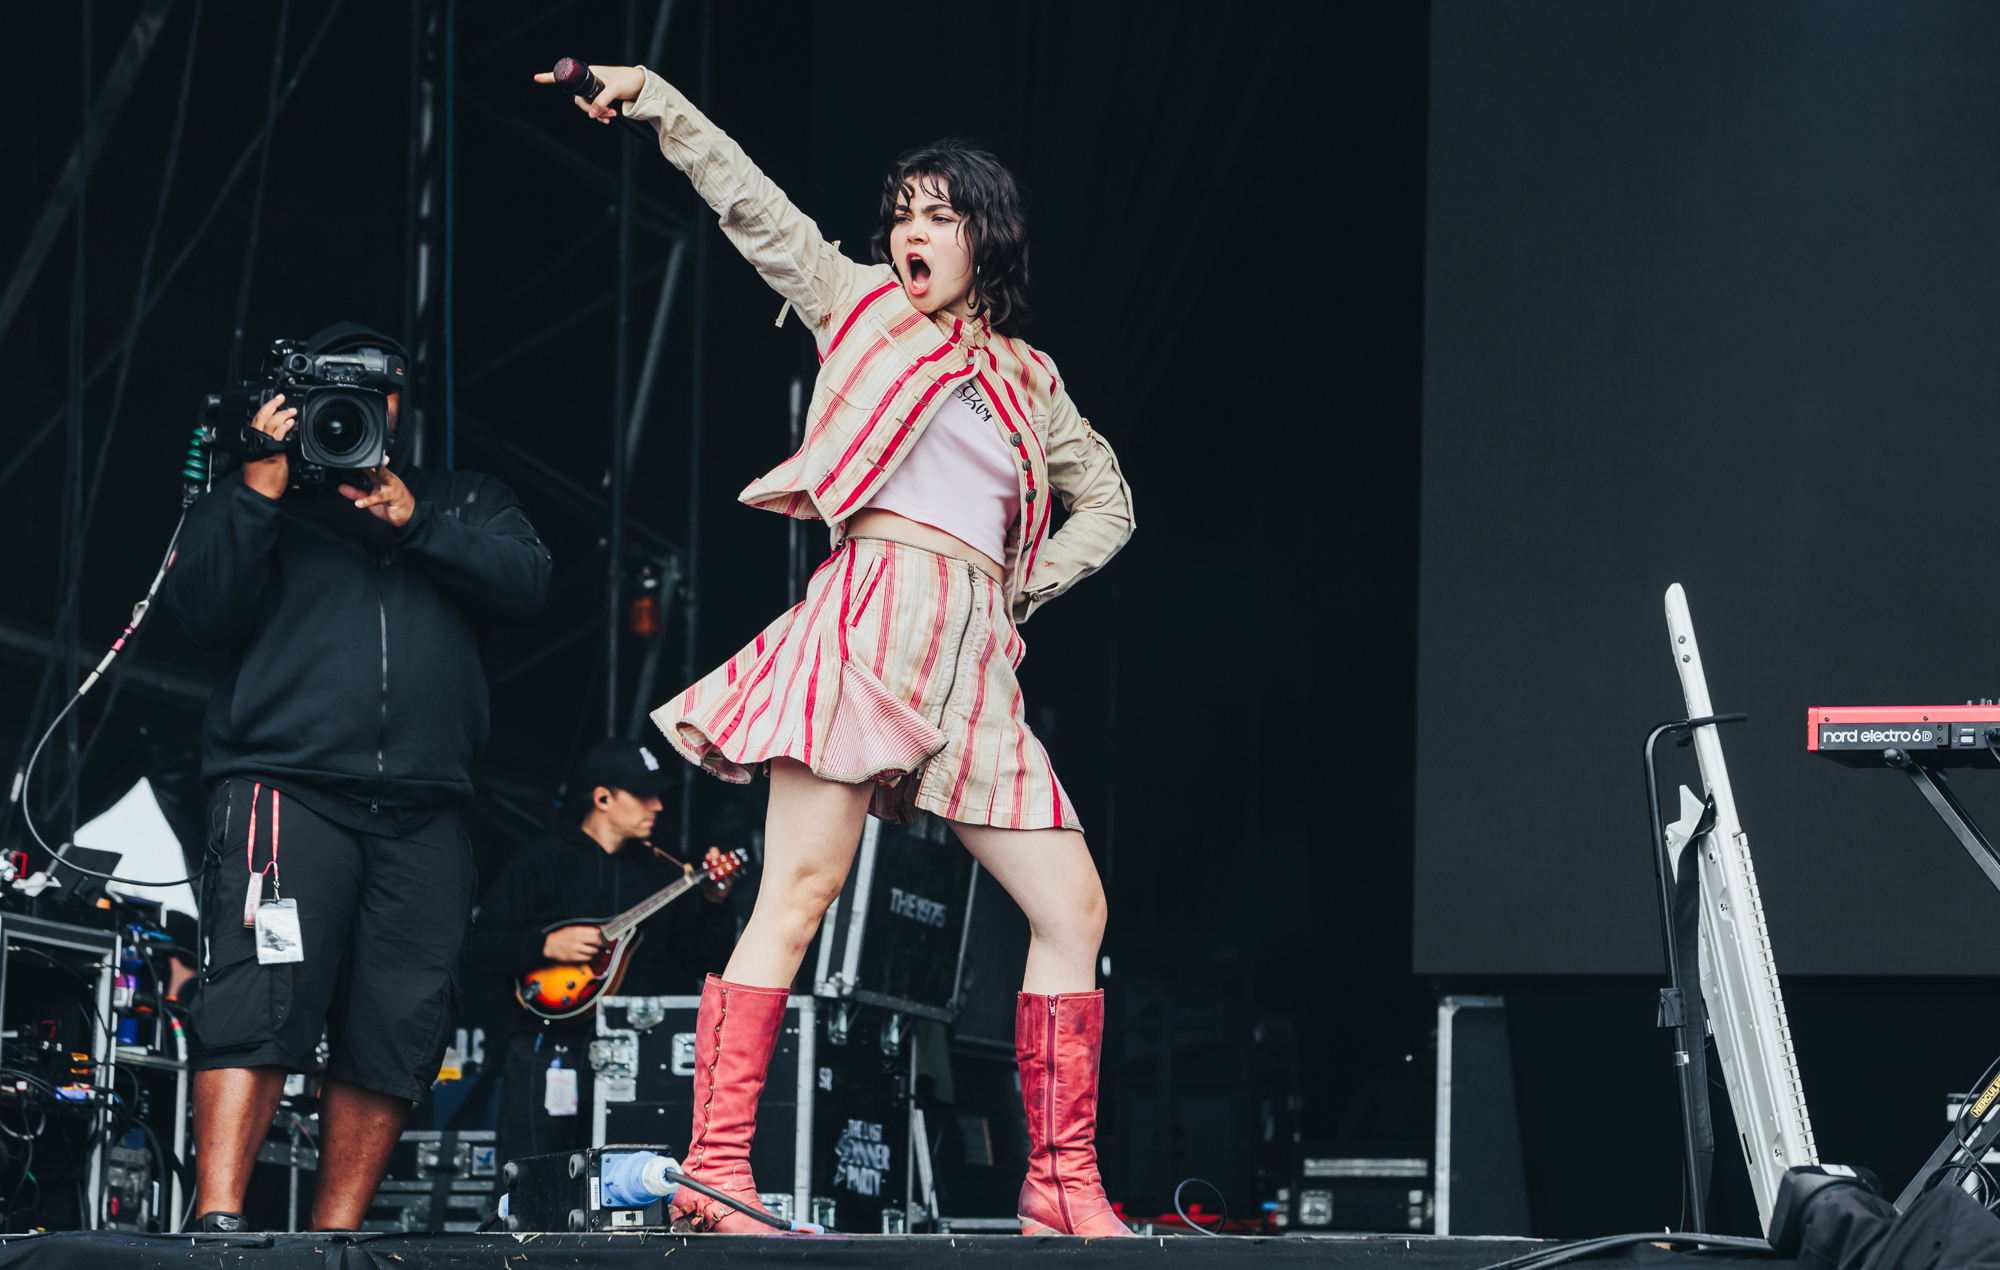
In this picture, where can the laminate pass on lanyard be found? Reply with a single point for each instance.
(275, 920)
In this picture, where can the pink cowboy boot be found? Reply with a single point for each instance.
(1057, 1042)
(734, 1035)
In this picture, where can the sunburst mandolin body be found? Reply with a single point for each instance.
(564, 990)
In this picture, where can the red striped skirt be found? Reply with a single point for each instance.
(898, 668)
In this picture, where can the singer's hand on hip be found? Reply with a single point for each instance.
(621, 83)
(391, 500)
(270, 476)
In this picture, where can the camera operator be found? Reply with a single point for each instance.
(544, 908)
(338, 749)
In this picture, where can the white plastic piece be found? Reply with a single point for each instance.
(559, 1093)
(1739, 975)
(1681, 830)
(654, 1176)
(34, 884)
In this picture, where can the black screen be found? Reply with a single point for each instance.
(1712, 298)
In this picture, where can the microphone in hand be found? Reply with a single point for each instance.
(576, 78)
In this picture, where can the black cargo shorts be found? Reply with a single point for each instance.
(383, 919)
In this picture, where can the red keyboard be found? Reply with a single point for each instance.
(1937, 736)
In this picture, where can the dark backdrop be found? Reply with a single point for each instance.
(1710, 298)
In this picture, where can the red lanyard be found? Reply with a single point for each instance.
(254, 892)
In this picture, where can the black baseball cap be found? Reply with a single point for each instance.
(347, 337)
(637, 769)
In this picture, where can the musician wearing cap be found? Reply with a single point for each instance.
(548, 924)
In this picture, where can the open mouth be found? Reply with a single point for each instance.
(916, 274)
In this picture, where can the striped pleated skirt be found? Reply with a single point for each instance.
(898, 668)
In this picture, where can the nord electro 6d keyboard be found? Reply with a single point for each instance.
(1883, 736)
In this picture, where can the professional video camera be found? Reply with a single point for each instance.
(343, 405)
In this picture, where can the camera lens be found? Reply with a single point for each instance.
(339, 428)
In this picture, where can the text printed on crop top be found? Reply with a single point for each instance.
(960, 477)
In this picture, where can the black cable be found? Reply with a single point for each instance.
(700, 1188)
(27, 1176)
(26, 1134)
(117, 680)
(131, 1109)
(1182, 1214)
(90, 1014)
(1968, 1162)
(300, 1122)
(1964, 1162)
(45, 688)
(139, 612)
(6, 1164)
(47, 1090)
(168, 1159)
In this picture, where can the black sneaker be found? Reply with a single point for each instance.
(220, 1223)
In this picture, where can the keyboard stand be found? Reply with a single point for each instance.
(1931, 783)
(1961, 1151)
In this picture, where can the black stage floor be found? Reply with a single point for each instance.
(104, 1251)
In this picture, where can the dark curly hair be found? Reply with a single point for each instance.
(994, 206)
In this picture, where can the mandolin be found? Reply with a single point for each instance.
(563, 990)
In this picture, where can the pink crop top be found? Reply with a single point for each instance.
(960, 478)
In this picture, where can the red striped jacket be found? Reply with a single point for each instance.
(885, 368)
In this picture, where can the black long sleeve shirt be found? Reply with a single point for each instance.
(567, 878)
(356, 646)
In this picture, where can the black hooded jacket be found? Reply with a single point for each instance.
(355, 666)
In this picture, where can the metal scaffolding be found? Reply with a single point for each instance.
(653, 242)
(665, 568)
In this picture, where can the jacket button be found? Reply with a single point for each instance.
(1030, 496)
(1013, 438)
(1026, 466)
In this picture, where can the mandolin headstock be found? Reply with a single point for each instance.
(726, 866)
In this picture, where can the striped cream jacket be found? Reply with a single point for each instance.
(885, 368)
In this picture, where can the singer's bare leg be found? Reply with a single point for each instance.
(811, 831)
(810, 834)
(1050, 874)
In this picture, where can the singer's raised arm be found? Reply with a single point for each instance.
(782, 242)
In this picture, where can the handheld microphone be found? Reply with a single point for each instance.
(574, 77)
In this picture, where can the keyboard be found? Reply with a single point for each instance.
(1936, 736)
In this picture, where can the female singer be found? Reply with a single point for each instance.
(936, 444)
